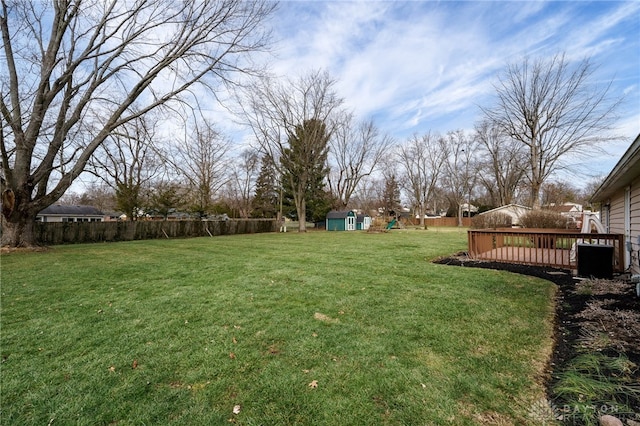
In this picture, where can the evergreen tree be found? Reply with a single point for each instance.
(391, 196)
(304, 163)
(265, 202)
(318, 199)
(165, 198)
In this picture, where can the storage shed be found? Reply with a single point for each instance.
(363, 222)
(341, 221)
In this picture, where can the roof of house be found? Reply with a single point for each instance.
(339, 215)
(565, 208)
(71, 211)
(507, 207)
(623, 173)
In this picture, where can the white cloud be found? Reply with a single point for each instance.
(420, 66)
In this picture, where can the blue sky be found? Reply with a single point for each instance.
(418, 66)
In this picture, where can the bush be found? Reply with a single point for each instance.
(491, 220)
(544, 219)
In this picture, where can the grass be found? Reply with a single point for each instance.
(594, 384)
(182, 331)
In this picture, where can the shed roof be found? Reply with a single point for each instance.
(71, 211)
(623, 173)
(339, 215)
(360, 217)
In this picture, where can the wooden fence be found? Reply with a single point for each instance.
(53, 233)
(542, 247)
(446, 221)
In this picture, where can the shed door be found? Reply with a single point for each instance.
(351, 223)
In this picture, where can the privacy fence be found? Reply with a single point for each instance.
(447, 221)
(53, 233)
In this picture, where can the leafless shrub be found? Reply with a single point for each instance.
(609, 328)
(599, 287)
(544, 219)
(491, 220)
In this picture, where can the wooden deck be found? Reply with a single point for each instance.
(530, 256)
(540, 247)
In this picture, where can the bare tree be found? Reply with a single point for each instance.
(98, 194)
(242, 183)
(356, 151)
(128, 161)
(202, 159)
(559, 192)
(301, 111)
(422, 159)
(368, 195)
(550, 107)
(460, 169)
(72, 69)
(503, 163)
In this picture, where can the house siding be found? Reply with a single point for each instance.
(634, 234)
(617, 223)
(619, 196)
(635, 208)
(616, 214)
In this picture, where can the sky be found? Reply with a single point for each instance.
(420, 66)
(415, 67)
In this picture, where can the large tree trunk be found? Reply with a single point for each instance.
(18, 218)
(535, 195)
(19, 231)
(301, 210)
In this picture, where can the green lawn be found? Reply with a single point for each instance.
(182, 331)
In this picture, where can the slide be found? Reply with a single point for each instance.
(390, 225)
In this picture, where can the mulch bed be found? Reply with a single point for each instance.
(586, 310)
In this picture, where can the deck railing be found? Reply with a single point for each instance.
(539, 246)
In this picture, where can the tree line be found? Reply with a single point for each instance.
(93, 87)
(428, 174)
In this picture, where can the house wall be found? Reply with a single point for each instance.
(635, 215)
(515, 213)
(625, 219)
(69, 218)
(616, 214)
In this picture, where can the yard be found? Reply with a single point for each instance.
(322, 328)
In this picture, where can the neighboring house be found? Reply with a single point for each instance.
(57, 213)
(619, 198)
(112, 216)
(341, 221)
(468, 208)
(572, 210)
(566, 208)
(515, 211)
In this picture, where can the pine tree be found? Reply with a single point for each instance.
(304, 163)
(391, 196)
(265, 202)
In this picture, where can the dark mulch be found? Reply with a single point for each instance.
(581, 307)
